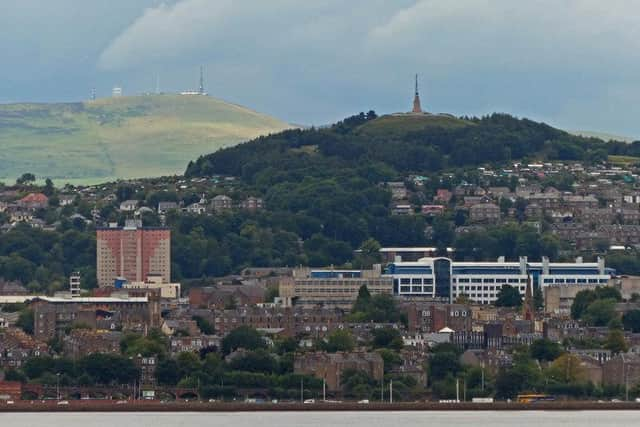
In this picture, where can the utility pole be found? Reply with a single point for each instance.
(390, 391)
(58, 385)
(457, 390)
(626, 381)
(301, 390)
(382, 390)
(324, 389)
(482, 382)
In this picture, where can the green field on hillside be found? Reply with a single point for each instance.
(126, 137)
(401, 124)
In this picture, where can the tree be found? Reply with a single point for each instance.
(205, 326)
(444, 363)
(26, 179)
(390, 358)
(338, 340)
(631, 321)
(387, 338)
(363, 301)
(616, 342)
(545, 350)
(508, 297)
(25, 320)
(48, 189)
(244, 337)
(581, 302)
(255, 361)
(167, 372)
(600, 312)
(568, 369)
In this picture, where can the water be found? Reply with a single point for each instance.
(330, 419)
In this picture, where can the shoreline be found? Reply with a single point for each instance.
(149, 406)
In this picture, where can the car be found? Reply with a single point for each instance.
(63, 402)
(121, 402)
(10, 402)
(364, 401)
(310, 401)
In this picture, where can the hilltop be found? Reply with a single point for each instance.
(127, 137)
(402, 144)
(401, 124)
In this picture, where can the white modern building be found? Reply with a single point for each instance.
(444, 279)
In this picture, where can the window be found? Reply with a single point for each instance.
(416, 281)
(405, 288)
(405, 281)
(463, 280)
(416, 289)
(489, 281)
(428, 281)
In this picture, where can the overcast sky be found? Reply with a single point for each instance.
(572, 63)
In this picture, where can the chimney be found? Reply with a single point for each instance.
(545, 265)
(600, 265)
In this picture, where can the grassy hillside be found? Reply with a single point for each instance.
(401, 124)
(124, 137)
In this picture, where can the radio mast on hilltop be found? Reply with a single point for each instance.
(201, 88)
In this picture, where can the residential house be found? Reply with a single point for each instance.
(66, 199)
(622, 370)
(221, 203)
(82, 342)
(484, 212)
(33, 201)
(129, 206)
(330, 367)
(252, 204)
(164, 207)
(443, 195)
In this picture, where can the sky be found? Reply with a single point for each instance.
(571, 63)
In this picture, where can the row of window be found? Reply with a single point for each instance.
(416, 289)
(456, 313)
(489, 280)
(419, 281)
(483, 288)
(573, 280)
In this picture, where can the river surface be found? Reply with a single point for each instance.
(330, 419)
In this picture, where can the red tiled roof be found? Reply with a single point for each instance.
(35, 198)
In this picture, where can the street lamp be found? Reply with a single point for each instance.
(58, 385)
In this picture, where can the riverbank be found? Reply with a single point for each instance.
(154, 406)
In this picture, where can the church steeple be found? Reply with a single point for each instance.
(416, 100)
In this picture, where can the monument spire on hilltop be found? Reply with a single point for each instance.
(416, 100)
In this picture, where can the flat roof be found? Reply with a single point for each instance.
(12, 299)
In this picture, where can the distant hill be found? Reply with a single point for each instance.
(127, 137)
(602, 136)
(400, 144)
